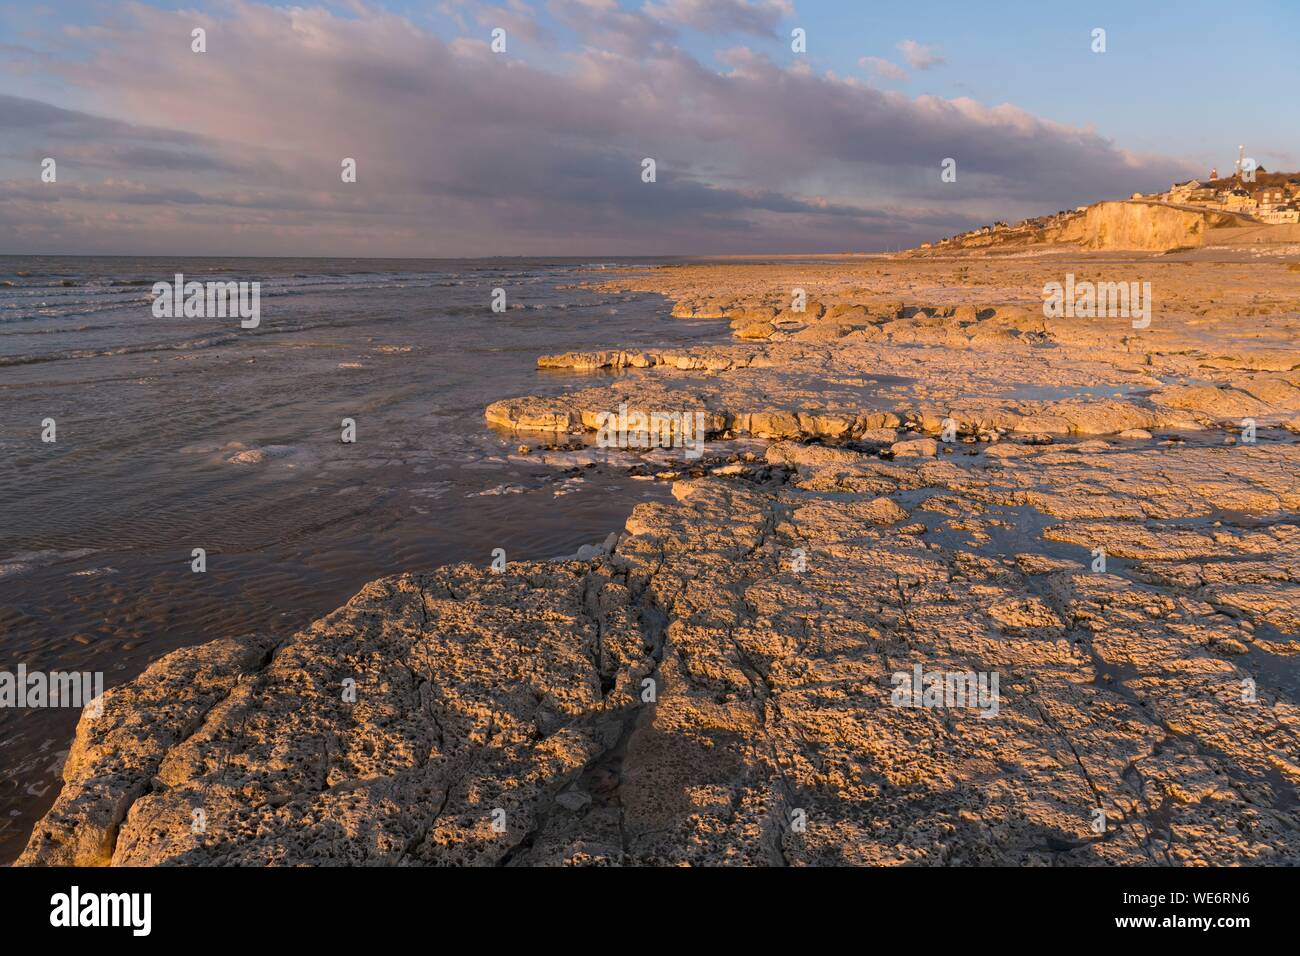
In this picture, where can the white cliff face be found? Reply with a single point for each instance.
(1139, 225)
(1143, 226)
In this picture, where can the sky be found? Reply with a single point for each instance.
(540, 149)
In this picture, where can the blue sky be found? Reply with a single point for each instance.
(1168, 82)
(1193, 79)
(830, 149)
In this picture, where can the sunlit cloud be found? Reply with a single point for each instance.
(463, 151)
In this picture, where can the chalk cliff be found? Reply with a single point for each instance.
(1137, 225)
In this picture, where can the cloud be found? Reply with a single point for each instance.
(755, 17)
(516, 19)
(920, 57)
(464, 152)
(606, 25)
(880, 67)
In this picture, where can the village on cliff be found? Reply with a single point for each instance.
(1251, 193)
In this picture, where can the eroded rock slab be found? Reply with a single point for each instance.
(952, 486)
(772, 619)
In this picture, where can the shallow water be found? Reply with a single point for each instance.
(175, 434)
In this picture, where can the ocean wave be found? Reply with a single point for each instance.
(55, 301)
(69, 354)
(184, 345)
(59, 331)
(25, 561)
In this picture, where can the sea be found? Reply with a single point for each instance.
(176, 434)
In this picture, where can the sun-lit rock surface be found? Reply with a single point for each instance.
(949, 482)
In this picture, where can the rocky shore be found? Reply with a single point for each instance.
(913, 473)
